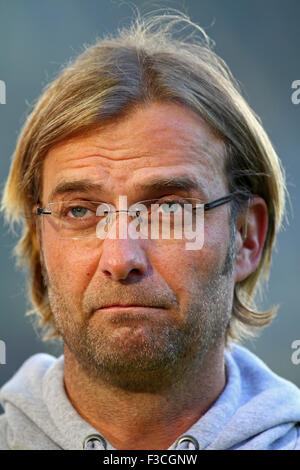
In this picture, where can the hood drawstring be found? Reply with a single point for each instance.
(97, 442)
(192, 443)
(94, 442)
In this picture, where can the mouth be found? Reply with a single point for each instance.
(132, 315)
(130, 307)
(131, 311)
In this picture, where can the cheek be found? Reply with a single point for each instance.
(69, 264)
(183, 268)
(216, 241)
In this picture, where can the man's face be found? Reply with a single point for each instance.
(186, 294)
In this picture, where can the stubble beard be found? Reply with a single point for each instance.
(162, 357)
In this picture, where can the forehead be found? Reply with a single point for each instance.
(152, 141)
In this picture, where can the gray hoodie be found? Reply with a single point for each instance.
(256, 410)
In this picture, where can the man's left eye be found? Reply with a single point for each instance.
(171, 206)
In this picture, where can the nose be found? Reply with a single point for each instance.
(123, 259)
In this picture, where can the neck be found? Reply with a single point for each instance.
(137, 420)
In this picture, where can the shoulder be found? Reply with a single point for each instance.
(22, 398)
(255, 372)
(29, 374)
(25, 386)
(3, 430)
(297, 447)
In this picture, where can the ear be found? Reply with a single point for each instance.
(251, 233)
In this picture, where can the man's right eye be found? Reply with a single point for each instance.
(78, 211)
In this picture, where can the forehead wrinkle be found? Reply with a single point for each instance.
(214, 155)
(195, 152)
(188, 144)
(208, 161)
(132, 142)
(108, 162)
(104, 144)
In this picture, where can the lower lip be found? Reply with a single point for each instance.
(133, 308)
(126, 315)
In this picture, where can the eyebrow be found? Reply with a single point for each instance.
(156, 184)
(73, 186)
(181, 182)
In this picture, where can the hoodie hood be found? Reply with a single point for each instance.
(256, 410)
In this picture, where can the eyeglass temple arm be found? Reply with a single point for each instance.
(40, 211)
(218, 202)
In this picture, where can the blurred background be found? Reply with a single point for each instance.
(260, 41)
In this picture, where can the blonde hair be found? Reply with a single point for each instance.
(139, 65)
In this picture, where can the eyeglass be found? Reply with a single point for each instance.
(166, 218)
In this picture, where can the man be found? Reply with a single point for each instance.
(149, 324)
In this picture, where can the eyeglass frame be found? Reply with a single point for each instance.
(207, 205)
(244, 194)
